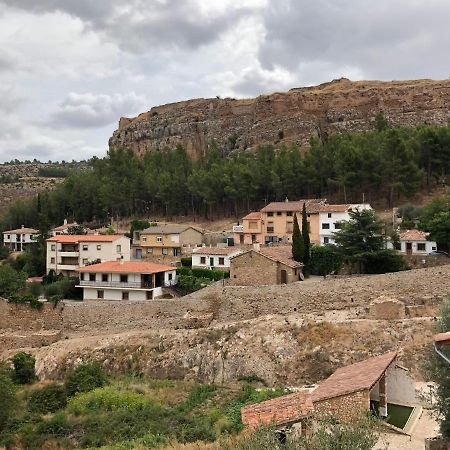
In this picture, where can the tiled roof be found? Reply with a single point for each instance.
(279, 411)
(126, 267)
(335, 208)
(442, 337)
(216, 250)
(413, 235)
(22, 231)
(291, 206)
(281, 253)
(255, 215)
(65, 226)
(167, 229)
(354, 378)
(74, 238)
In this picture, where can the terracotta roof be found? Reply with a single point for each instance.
(334, 208)
(255, 215)
(216, 250)
(279, 411)
(167, 229)
(353, 378)
(291, 206)
(126, 267)
(23, 230)
(414, 235)
(65, 226)
(281, 253)
(74, 238)
(442, 337)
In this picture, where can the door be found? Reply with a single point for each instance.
(211, 262)
(408, 248)
(283, 277)
(139, 253)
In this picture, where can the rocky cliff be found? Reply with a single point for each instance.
(284, 118)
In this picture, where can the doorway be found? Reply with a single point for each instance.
(408, 248)
(283, 277)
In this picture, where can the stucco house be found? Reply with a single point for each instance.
(19, 239)
(265, 266)
(125, 280)
(214, 257)
(414, 242)
(168, 240)
(64, 228)
(66, 252)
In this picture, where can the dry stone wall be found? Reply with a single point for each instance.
(344, 408)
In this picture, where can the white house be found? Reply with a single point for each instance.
(213, 257)
(414, 242)
(125, 280)
(63, 229)
(331, 215)
(66, 253)
(17, 240)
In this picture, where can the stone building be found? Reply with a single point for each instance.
(263, 266)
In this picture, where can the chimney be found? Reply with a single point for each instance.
(65, 221)
(23, 226)
(256, 246)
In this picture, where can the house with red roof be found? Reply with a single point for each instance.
(125, 280)
(415, 242)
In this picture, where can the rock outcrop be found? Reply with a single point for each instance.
(284, 118)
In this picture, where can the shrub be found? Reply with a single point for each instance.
(324, 260)
(49, 399)
(24, 371)
(11, 281)
(197, 396)
(35, 289)
(7, 400)
(383, 261)
(26, 299)
(84, 378)
(65, 288)
(186, 262)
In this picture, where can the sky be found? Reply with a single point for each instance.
(69, 69)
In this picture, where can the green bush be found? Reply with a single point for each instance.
(49, 399)
(26, 299)
(8, 400)
(35, 289)
(24, 371)
(197, 396)
(11, 281)
(383, 261)
(184, 270)
(84, 378)
(324, 260)
(65, 288)
(186, 262)
(189, 283)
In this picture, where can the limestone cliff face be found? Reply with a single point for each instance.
(284, 118)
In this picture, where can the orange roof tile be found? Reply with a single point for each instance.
(74, 238)
(255, 215)
(126, 267)
(281, 253)
(414, 235)
(353, 378)
(291, 206)
(216, 250)
(280, 411)
(23, 230)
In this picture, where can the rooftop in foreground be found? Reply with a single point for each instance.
(126, 267)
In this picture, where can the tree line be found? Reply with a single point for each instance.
(384, 165)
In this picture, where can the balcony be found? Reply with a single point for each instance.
(68, 254)
(66, 267)
(120, 285)
(238, 228)
(270, 229)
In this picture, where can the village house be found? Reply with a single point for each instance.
(414, 242)
(19, 239)
(213, 257)
(66, 253)
(169, 240)
(264, 266)
(63, 229)
(125, 280)
(377, 384)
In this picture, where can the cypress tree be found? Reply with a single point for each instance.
(305, 234)
(298, 246)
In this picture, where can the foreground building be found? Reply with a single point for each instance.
(125, 280)
(214, 257)
(19, 239)
(66, 253)
(414, 242)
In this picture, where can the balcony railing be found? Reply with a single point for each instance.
(238, 228)
(270, 229)
(129, 285)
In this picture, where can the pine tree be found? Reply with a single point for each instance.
(298, 246)
(306, 239)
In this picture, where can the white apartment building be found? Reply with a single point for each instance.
(17, 240)
(125, 280)
(214, 257)
(66, 253)
(331, 215)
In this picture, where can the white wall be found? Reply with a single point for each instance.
(196, 260)
(429, 247)
(90, 293)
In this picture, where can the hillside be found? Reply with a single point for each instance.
(284, 118)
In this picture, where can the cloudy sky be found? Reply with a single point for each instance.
(70, 68)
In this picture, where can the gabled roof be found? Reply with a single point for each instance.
(255, 215)
(356, 377)
(75, 238)
(216, 250)
(126, 267)
(64, 226)
(167, 229)
(291, 206)
(22, 230)
(413, 235)
(279, 411)
(278, 253)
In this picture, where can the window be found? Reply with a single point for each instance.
(100, 294)
(202, 259)
(123, 278)
(125, 296)
(9, 236)
(325, 226)
(158, 238)
(253, 237)
(53, 247)
(99, 247)
(289, 227)
(170, 277)
(81, 276)
(329, 215)
(309, 215)
(421, 247)
(270, 214)
(326, 240)
(92, 277)
(279, 213)
(149, 250)
(118, 248)
(289, 213)
(104, 277)
(337, 225)
(149, 295)
(85, 261)
(144, 238)
(52, 260)
(221, 261)
(270, 227)
(253, 225)
(85, 247)
(433, 248)
(165, 251)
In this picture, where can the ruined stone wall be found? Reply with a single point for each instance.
(284, 118)
(344, 408)
(422, 261)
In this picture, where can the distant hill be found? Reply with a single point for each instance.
(284, 118)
